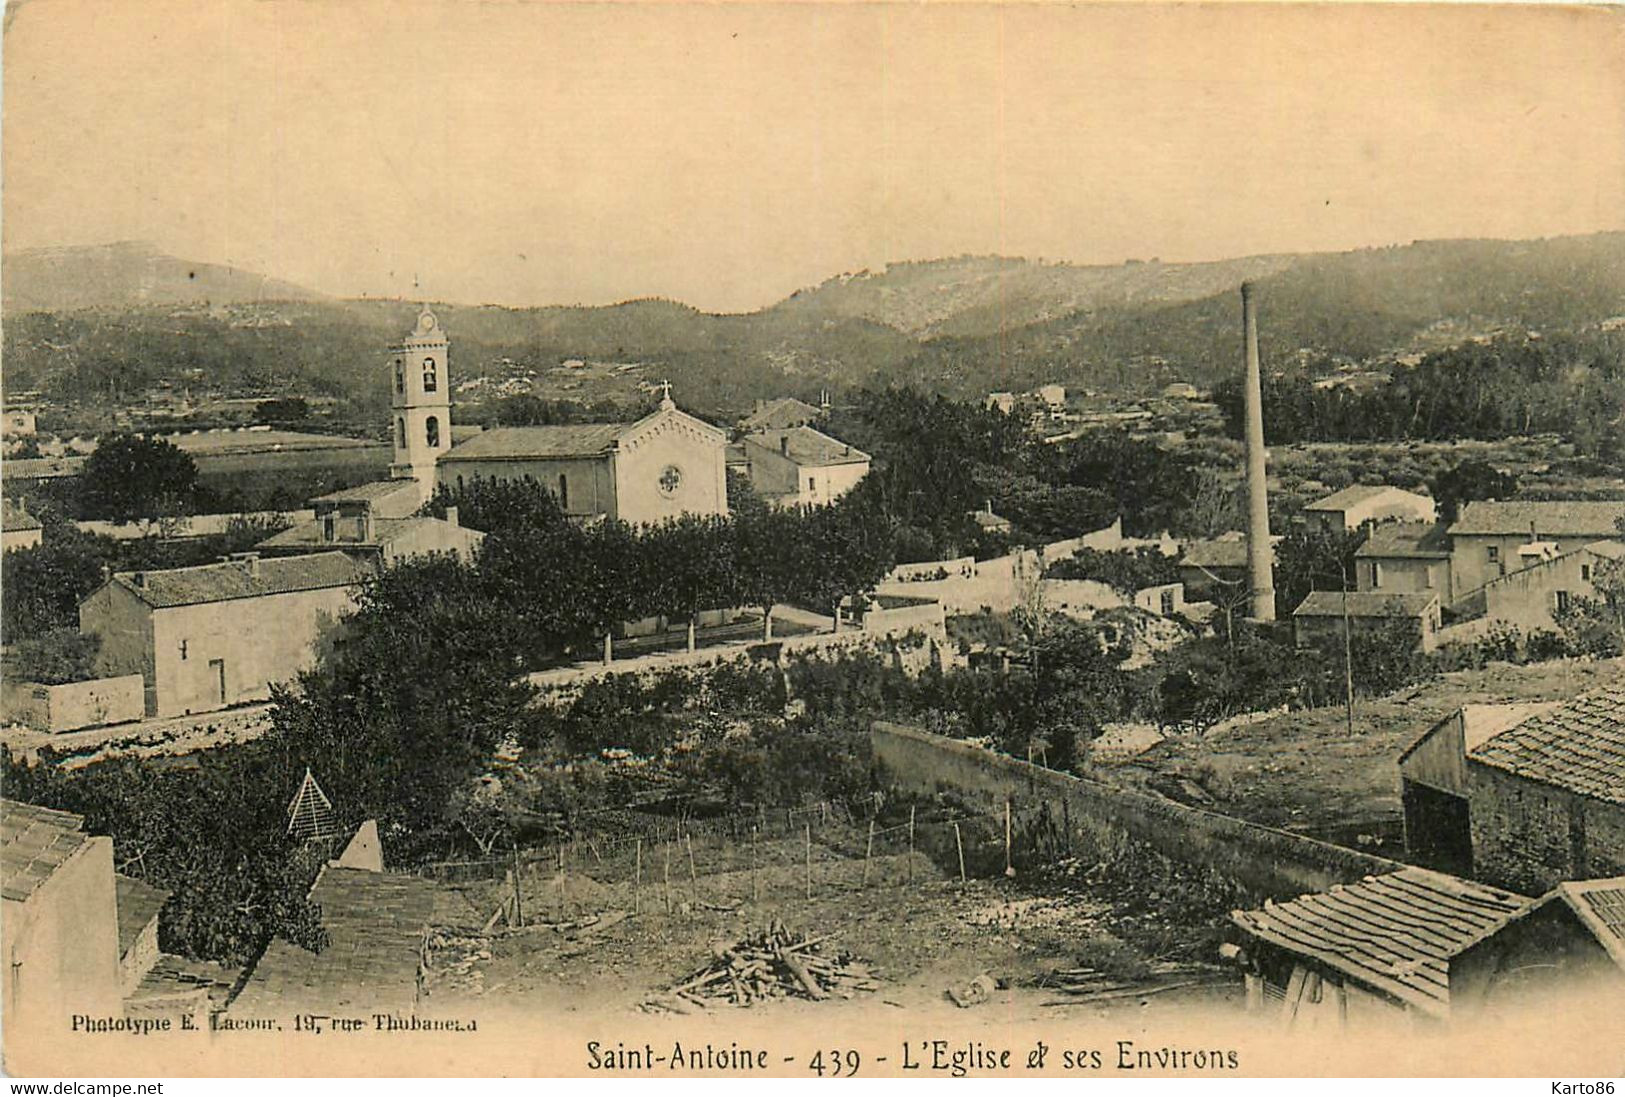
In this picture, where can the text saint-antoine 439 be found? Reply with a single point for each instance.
(666, 464)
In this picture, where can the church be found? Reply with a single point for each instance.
(666, 464)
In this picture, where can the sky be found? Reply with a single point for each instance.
(727, 154)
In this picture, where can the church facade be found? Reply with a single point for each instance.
(664, 465)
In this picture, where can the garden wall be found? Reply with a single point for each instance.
(76, 704)
(1269, 862)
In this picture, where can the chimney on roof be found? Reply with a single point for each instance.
(1260, 553)
(451, 516)
(107, 573)
(250, 562)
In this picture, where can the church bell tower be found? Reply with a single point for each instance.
(420, 402)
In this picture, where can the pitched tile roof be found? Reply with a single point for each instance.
(1222, 553)
(369, 492)
(807, 447)
(1600, 904)
(234, 579)
(34, 842)
(1365, 603)
(784, 412)
(1579, 746)
(1419, 540)
(310, 534)
(138, 904)
(376, 923)
(1356, 494)
(1552, 518)
(1394, 933)
(13, 516)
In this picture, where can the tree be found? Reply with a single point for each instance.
(44, 583)
(53, 658)
(129, 477)
(1468, 481)
(1309, 559)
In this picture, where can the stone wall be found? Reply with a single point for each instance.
(75, 705)
(1529, 836)
(1264, 861)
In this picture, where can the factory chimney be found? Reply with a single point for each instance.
(1260, 553)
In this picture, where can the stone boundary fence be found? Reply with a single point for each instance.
(1085, 815)
(75, 705)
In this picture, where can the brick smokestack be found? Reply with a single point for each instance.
(1260, 554)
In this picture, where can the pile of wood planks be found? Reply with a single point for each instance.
(773, 963)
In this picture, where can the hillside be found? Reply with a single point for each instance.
(959, 326)
(128, 274)
(983, 295)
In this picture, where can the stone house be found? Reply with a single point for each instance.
(666, 464)
(1532, 598)
(1318, 620)
(58, 918)
(1360, 504)
(1216, 570)
(369, 529)
(781, 414)
(1492, 539)
(203, 638)
(18, 528)
(800, 466)
(1405, 558)
(1526, 796)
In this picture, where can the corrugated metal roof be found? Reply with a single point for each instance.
(1422, 540)
(1579, 746)
(1394, 933)
(1551, 518)
(807, 447)
(234, 579)
(1364, 603)
(138, 904)
(376, 923)
(34, 843)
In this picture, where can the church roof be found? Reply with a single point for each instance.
(520, 443)
(567, 440)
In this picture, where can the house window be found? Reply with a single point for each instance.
(1376, 574)
(1167, 603)
(329, 528)
(430, 381)
(564, 492)
(1492, 553)
(1562, 599)
(812, 485)
(400, 376)
(459, 483)
(431, 432)
(183, 650)
(1585, 573)
(400, 433)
